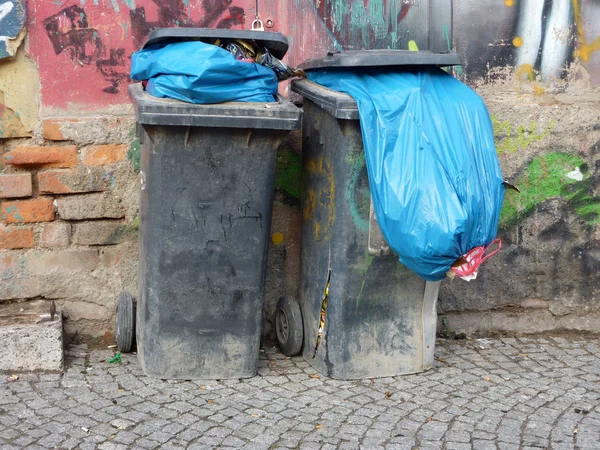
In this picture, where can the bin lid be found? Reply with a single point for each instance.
(372, 58)
(339, 104)
(276, 43)
(149, 110)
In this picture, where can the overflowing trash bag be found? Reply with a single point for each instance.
(201, 73)
(208, 73)
(249, 52)
(434, 175)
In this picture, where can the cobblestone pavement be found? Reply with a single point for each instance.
(493, 394)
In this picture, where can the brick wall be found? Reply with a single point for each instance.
(69, 218)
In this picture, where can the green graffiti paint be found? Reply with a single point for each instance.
(134, 154)
(395, 8)
(289, 173)
(509, 139)
(546, 178)
(358, 194)
(131, 3)
(362, 286)
(125, 28)
(363, 265)
(13, 211)
(446, 34)
(359, 23)
(377, 19)
(361, 270)
(339, 10)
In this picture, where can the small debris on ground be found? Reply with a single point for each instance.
(484, 344)
(115, 359)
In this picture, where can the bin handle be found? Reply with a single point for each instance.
(257, 25)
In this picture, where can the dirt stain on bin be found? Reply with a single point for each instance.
(319, 205)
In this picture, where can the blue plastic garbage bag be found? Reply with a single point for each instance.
(201, 73)
(434, 175)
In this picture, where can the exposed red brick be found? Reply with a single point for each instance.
(34, 210)
(15, 185)
(51, 129)
(13, 237)
(71, 181)
(56, 235)
(50, 183)
(49, 156)
(88, 130)
(100, 155)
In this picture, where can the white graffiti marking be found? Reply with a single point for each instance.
(5, 8)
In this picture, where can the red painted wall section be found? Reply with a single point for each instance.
(83, 48)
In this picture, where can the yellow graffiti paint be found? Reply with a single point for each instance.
(510, 137)
(525, 72)
(310, 204)
(517, 41)
(538, 90)
(509, 2)
(277, 238)
(585, 50)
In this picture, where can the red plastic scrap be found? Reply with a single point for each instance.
(474, 258)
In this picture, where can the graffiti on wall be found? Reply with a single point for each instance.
(554, 175)
(83, 50)
(541, 39)
(176, 13)
(84, 47)
(12, 21)
(70, 33)
(387, 24)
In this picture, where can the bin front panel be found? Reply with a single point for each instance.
(373, 321)
(206, 209)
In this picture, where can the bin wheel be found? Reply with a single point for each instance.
(288, 326)
(125, 322)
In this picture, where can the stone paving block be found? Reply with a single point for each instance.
(451, 407)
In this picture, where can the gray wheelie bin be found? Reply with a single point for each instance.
(207, 184)
(363, 313)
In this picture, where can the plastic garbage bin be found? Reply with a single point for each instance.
(379, 318)
(207, 184)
